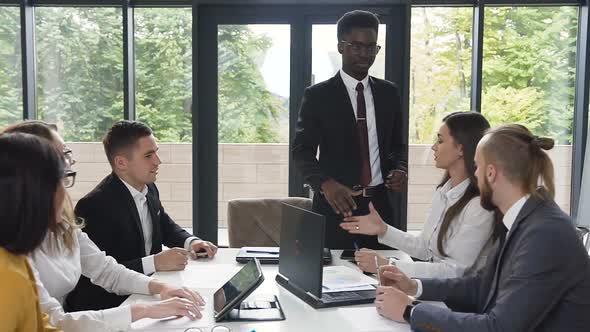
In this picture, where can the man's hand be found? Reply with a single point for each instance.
(391, 303)
(365, 260)
(199, 245)
(174, 259)
(340, 197)
(370, 224)
(396, 180)
(392, 276)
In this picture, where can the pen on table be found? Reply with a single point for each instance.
(261, 252)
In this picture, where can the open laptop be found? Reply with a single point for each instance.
(300, 262)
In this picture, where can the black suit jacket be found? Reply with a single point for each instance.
(538, 281)
(112, 222)
(327, 121)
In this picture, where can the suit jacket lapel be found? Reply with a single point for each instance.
(380, 119)
(527, 209)
(346, 107)
(132, 208)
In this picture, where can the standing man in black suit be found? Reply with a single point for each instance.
(123, 215)
(356, 122)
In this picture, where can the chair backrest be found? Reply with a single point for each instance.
(257, 221)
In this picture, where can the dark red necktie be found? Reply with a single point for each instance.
(361, 125)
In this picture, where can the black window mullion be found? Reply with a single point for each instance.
(477, 57)
(205, 126)
(128, 61)
(300, 77)
(581, 99)
(27, 23)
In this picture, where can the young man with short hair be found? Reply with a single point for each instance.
(123, 215)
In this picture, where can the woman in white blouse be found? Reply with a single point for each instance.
(67, 252)
(458, 231)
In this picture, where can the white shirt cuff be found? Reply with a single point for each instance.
(148, 264)
(117, 319)
(187, 242)
(418, 289)
(381, 237)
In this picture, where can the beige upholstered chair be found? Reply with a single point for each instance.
(257, 221)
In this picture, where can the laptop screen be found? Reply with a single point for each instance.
(302, 243)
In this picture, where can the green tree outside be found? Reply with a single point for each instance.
(10, 66)
(528, 71)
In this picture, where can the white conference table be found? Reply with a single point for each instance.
(208, 275)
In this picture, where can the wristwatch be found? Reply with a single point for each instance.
(408, 310)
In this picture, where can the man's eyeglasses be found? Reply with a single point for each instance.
(357, 47)
(69, 178)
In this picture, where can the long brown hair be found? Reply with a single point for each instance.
(70, 223)
(466, 129)
(520, 155)
(30, 172)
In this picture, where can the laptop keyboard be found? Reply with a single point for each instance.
(340, 296)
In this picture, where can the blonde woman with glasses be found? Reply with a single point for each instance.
(66, 253)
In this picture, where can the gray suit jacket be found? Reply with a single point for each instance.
(538, 281)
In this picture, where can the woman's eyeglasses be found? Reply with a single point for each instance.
(69, 156)
(216, 328)
(69, 178)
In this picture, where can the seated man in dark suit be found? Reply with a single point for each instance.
(123, 215)
(539, 279)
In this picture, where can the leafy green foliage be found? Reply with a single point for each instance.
(79, 70)
(528, 71)
(248, 113)
(163, 45)
(528, 68)
(10, 66)
(440, 68)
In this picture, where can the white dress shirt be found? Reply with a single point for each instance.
(57, 272)
(140, 199)
(350, 83)
(513, 211)
(470, 231)
(145, 218)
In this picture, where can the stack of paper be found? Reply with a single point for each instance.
(343, 278)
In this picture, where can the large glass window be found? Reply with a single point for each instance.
(253, 101)
(529, 75)
(163, 78)
(163, 51)
(325, 59)
(79, 69)
(440, 74)
(440, 68)
(11, 106)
